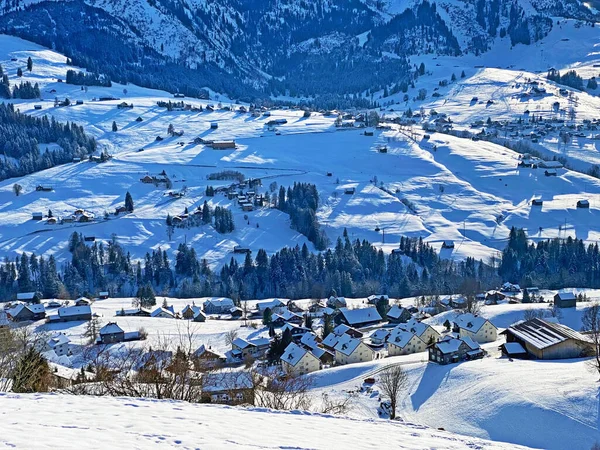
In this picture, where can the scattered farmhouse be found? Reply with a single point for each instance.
(397, 314)
(543, 339)
(565, 300)
(22, 312)
(72, 314)
(163, 313)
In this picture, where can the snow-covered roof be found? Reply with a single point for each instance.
(331, 340)
(380, 334)
(226, 381)
(566, 296)
(414, 327)
(275, 303)
(347, 344)
(202, 350)
(471, 322)
(74, 310)
(400, 338)
(192, 308)
(514, 348)
(199, 313)
(111, 328)
(294, 353)
(58, 339)
(160, 310)
(336, 300)
(362, 315)
(36, 308)
(241, 343)
(288, 315)
(25, 295)
(543, 334)
(341, 329)
(395, 312)
(310, 340)
(451, 345)
(220, 302)
(372, 298)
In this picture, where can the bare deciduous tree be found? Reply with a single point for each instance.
(231, 336)
(392, 381)
(591, 324)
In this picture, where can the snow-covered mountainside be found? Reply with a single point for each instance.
(59, 421)
(293, 47)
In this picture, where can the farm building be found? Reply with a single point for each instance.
(537, 202)
(543, 339)
(72, 314)
(218, 305)
(37, 216)
(565, 300)
(22, 312)
(222, 145)
(583, 204)
(398, 314)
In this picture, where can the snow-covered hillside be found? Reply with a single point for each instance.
(458, 189)
(60, 421)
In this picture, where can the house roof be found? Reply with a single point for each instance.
(288, 315)
(202, 350)
(396, 312)
(294, 353)
(199, 313)
(471, 322)
(380, 334)
(347, 344)
(309, 340)
(293, 326)
(111, 328)
(415, 327)
(226, 381)
(362, 315)
(451, 345)
(514, 348)
(341, 329)
(336, 300)
(371, 298)
(275, 303)
(160, 310)
(57, 339)
(74, 310)
(26, 296)
(220, 302)
(192, 308)
(331, 340)
(566, 296)
(400, 338)
(542, 334)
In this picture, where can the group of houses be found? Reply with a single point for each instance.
(79, 215)
(29, 307)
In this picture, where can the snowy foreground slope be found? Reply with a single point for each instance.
(58, 421)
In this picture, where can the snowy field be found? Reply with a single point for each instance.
(163, 424)
(469, 192)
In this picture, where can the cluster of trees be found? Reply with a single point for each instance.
(26, 90)
(20, 135)
(571, 78)
(87, 79)
(552, 264)
(301, 202)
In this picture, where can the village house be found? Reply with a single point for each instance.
(297, 331)
(189, 311)
(254, 348)
(58, 343)
(299, 360)
(312, 342)
(452, 350)
(163, 313)
(280, 319)
(397, 314)
(349, 350)
(134, 312)
(376, 299)
(111, 333)
(358, 318)
(37, 216)
(565, 300)
(22, 312)
(401, 342)
(218, 305)
(274, 305)
(230, 388)
(206, 358)
(33, 297)
(72, 314)
(424, 331)
(199, 316)
(543, 339)
(82, 301)
(336, 302)
(379, 337)
(475, 327)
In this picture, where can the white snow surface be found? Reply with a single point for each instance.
(65, 422)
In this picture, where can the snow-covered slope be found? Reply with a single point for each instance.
(60, 421)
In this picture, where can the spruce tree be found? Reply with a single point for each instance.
(114, 126)
(29, 64)
(128, 202)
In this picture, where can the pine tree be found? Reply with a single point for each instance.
(114, 126)
(29, 64)
(128, 202)
(267, 317)
(19, 72)
(32, 373)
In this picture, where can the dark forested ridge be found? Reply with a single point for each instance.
(20, 135)
(254, 49)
